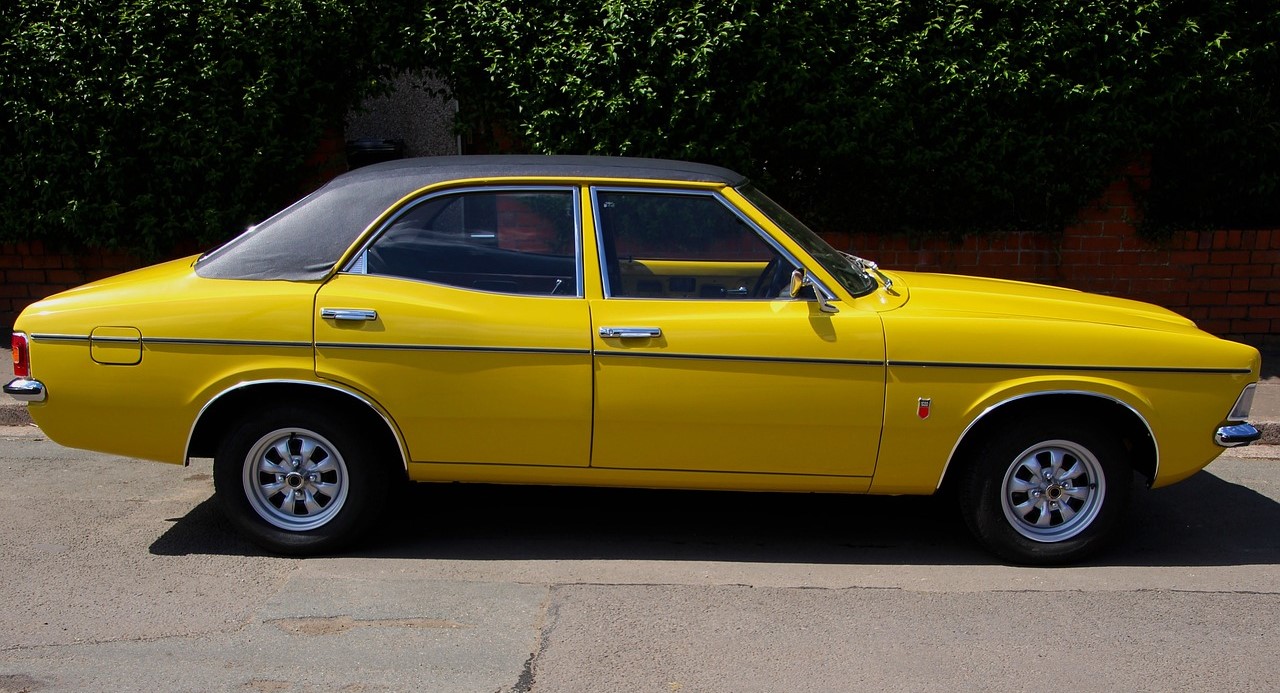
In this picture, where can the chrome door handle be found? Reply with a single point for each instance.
(348, 314)
(631, 332)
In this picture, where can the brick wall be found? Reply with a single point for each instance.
(30, 271)
(1225, 280)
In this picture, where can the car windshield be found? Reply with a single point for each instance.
(849, 273)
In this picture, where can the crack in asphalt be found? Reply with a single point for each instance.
(548, 618)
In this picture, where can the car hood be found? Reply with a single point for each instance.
(946, 294)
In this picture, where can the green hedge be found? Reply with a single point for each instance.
(884, 115)
(146, 123)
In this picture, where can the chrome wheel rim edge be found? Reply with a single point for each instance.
(295, 479)
(1052, 491)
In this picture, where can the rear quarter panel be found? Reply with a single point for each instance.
(199, 337)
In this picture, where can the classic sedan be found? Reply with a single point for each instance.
(618, 322)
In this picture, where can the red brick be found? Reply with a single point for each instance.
(1230, 257)
(120, 262)
(41, 261)
(1264, 312)
(1250, 326)
(1211, 270)
(1246, 299)
(1219, 240)
(1204, 298)
(24, 276)
(1189, 257)
(1229, 312)
(1218, 327)
(11, 290)
(1265, 284)
(1120, 229)
(68, 277)
(1240, 284)
(1265, 257)
(8, 260)
(1185, 240)
(1251, 270)
(1106, 244)
(1150, 285)
(1233, 239)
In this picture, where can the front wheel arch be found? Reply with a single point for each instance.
(1120, 420)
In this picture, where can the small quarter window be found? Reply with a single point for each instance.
(507, 241)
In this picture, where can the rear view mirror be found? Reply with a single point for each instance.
(801, 279)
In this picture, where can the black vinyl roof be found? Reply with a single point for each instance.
(303, 242)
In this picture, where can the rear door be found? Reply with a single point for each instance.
(465, 319)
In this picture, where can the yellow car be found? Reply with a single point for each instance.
(618, 322)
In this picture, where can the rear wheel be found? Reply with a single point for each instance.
(298, 482)
(1048, 494)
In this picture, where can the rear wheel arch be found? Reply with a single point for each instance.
(222, 413)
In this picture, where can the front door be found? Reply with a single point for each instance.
(703, 361)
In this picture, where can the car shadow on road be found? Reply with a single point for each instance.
(1203, 521)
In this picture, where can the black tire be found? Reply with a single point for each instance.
(326, 493)
(1021, 515)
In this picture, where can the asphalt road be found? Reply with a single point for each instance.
(118, 574)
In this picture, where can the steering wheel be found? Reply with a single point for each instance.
(776, 274)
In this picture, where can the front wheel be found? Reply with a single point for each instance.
(1048, 494)
(298, 482)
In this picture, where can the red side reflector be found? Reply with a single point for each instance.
(21, 356)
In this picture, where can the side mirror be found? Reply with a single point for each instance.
(800, 279)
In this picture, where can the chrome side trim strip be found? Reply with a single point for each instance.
(395, 431)
(439, 347)
(751, 359)
(951, 458)
(180, 341)
(46, 337)
(26, 390)
(1059, 367)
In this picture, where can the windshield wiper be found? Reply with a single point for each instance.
(868, 268)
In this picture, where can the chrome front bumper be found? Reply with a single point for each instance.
(25, 390)
(1236, 434)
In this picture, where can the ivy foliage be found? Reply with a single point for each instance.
(143, 124)
(939, 116)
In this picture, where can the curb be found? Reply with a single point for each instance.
(15, 414)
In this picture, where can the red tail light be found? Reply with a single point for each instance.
(21, 356)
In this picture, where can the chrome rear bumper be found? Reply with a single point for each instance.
(25, 390)
(1236, 434)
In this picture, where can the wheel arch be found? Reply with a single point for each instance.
(1134, 431)
(220, 412)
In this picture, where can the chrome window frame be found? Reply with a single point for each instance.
(359, 263)
(601, 257)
